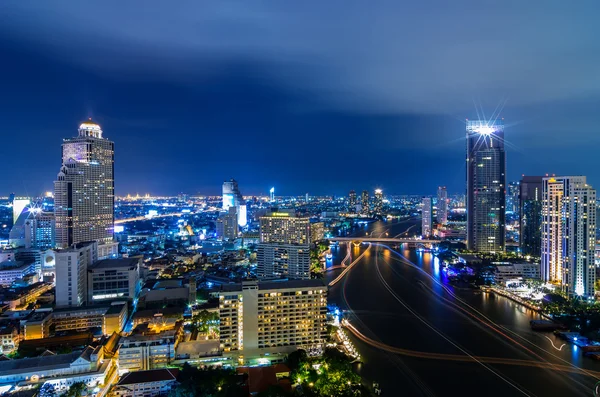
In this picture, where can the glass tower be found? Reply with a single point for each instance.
(486, 186)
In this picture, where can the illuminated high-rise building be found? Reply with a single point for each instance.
(284, 248)
(364, 203)
(84, 189)
(34, 229)
(442, 205)
(378, 202)
(530, 215)
(19, 204)
(227, 225)
(233, 198)
(352, 201)
(569, 234)
(512, 198)
(486, 186)
(426, 217)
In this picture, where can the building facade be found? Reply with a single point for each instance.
(569, 234)
(283, 261)
(227, 224)
(378, 202)
(71, 266)
(486, 186)
(84, 189)
(426, 217)
(442, 205)
(352, 202)
(530, 215)
(233, 198)
(272, 316)
(365, 208)
(111, 279)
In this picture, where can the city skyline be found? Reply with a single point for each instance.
(207, 98)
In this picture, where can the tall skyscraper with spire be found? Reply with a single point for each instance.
(486, 186)
(84, 189)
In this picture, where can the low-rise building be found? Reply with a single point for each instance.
(9, 339)
(60, 370)
(114, 279)
(150, 346)
(506, 271)
(151, 383)
(108, 318)
(15, 270)
(21, 297)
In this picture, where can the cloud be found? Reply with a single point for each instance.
(389, 57)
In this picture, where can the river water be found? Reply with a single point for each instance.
(401, 298)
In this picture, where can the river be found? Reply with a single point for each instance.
(401, 298)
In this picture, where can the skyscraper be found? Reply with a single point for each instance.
(227, 225)
(442, 205)
(569, 234)
(284, 248)
(512, 198)
(233, 198)
(364, 203)
(84, 189)
(486, 184)
(426, 214)
(530, 215)
(71, 273)
(352, 201)
(378, 202)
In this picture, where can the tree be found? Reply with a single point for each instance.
(76, 390)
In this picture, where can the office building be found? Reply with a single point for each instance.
(84, 189)
(233, 198)
(34, 228)
(512, 197)
(486, 185)
(530, 215)
(150, 346)
(71, 266)
(426, 217)
(507, 272)
(569, 234)
(11, 271)
(442, 205)
(272, 317)
(378, 202)
(227, 225)
(364, 203)
(352, 202)
(111, 279)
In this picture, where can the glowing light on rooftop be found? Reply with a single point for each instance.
(485, 130)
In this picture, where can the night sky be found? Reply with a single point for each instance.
(317, 97)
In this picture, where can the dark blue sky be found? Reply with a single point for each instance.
(306, 97)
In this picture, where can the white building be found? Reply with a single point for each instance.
(15, 270)
(151, 383)
(60, 370)
(426, 220)
(84, 189)
(568, 234)
(71, 266)
(233, 198)
(506, 271)
(149, 347)
(272, 317)
(114, 278)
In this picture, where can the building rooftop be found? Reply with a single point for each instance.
(277, 284)
(115, 263)
(43, 363)
(153, 375)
